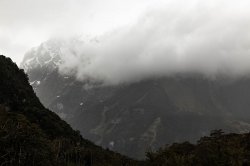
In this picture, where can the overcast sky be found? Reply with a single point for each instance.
(27, 23)
(137, 39)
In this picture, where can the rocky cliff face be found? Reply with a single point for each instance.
(134, 117)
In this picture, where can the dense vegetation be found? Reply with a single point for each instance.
(32, 135)
(216, 150)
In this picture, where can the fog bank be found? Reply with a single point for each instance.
(207, 37)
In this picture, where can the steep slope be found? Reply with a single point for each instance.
(30, 134)
(139, 116)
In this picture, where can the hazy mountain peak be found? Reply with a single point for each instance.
(47, 54)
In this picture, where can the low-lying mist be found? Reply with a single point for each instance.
(207, 37)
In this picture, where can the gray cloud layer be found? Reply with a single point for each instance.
(195, 36)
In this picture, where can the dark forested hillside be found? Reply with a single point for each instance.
(30, 134)
(216, 150)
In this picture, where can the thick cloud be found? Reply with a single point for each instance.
(207, 37)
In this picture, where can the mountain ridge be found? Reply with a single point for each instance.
(30, 134)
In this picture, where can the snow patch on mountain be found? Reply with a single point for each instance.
(35, 83)
(46, 55)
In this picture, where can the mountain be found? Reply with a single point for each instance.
(133, 118)
(30, 134)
